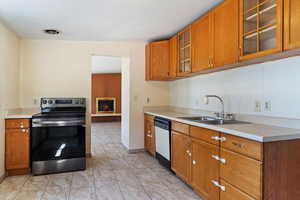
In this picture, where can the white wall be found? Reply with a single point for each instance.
(277, 82)
(9, 81)
(63, 68)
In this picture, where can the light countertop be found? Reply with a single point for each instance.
(25, 113)
(252, 131)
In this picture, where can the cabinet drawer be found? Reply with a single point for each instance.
(232, 192)
(149, 117)
(180, 127)
(242, 172)
(17, 123)
(244, 146)
(205, 134)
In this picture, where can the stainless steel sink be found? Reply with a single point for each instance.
(213, 120)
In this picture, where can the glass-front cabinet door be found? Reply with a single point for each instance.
(261, 28)
(184, 43)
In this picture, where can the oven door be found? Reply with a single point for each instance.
(57, 139)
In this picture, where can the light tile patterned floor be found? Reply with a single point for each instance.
(112, 174)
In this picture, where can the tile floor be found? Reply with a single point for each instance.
(112, 174)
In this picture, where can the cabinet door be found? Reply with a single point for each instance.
(173, 56)
(180, 155)
(147, 62)
(226, 33)
(184, 52)
(159, 63)
(260, 27)
(205, 169)
(201, 43)
(291, 24)
(147, 136)
(152, 138)
(17, 148)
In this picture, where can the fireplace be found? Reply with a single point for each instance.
(106, 105)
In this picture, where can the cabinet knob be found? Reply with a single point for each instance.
(23, 130)
(149, 135)
(194, 162)
(217, 184)
(189, 153)
(149, 131)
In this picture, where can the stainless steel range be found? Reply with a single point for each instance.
(58, 136)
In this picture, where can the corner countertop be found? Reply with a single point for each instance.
(252, 131)
(21, 113)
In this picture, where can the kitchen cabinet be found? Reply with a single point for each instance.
(173, 57)
(17, 149)
(291, 24)
(202, 43)
(181, 155)
(184, 52)
(149, 136)
(158, 61)
(260, 27)
(225, 31)
(205, 169)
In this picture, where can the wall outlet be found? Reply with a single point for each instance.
(257, 106)
(268, 106)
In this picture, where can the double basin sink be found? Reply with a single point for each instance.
(213, 120)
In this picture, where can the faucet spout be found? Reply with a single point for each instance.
(220, 99)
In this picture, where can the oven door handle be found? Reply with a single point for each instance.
(58, 123)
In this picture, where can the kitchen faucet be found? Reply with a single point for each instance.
(222, 114)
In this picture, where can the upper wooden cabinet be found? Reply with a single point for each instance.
(173, 56)
(225, 20)
(260, 27)
(291, 24)
(202, 43)
(158, 61)
(184, 51)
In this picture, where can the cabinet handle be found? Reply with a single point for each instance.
(238, 144)
(194, 162)
(222, 160)
(217, 184)
(222, 139)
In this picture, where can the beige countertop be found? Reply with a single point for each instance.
(253, 131)
(25, 113)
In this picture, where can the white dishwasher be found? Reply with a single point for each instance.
(163, 141)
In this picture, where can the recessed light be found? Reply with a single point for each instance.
(52, 31)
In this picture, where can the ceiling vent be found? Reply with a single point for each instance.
(51, 31)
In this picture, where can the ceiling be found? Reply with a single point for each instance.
(106, 64)
(101, 20)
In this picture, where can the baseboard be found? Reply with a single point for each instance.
(88, 155)
(15, 172)
(136, 150)
(2, 177)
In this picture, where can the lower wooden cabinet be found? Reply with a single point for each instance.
(149, 136)
(232, 193)
(205, 169)
(181, 155)
(242, 171)
(17, 146)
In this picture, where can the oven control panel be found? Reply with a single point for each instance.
(63, 102)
